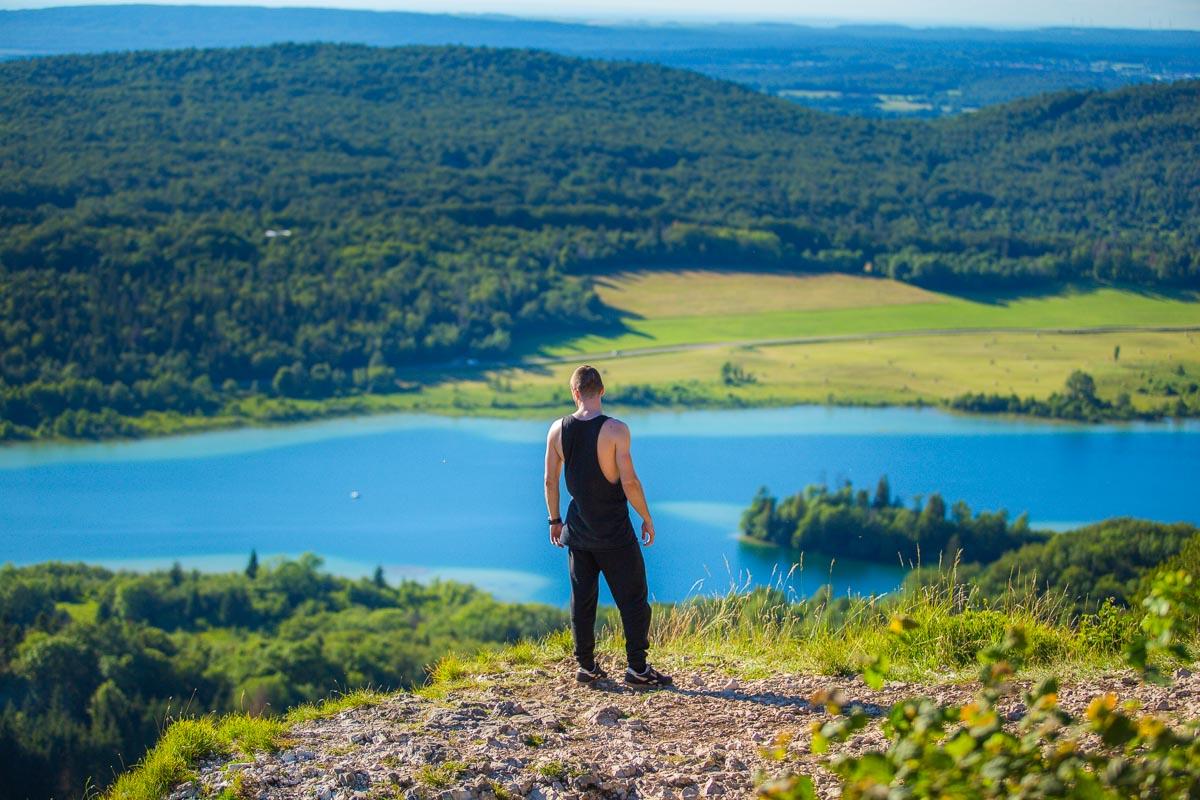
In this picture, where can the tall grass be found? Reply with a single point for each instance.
(186, 742)
(755, 632)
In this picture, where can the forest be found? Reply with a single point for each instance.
(93, 662)
(309, 221)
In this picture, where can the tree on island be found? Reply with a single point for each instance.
(883, 493)
(252, 566)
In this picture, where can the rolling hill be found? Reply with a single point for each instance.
(872, 70)
(302, 220)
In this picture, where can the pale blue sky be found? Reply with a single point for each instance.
(1177, 14)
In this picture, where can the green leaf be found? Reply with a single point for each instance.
(960, 745)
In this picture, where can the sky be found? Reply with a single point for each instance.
(1172, 14)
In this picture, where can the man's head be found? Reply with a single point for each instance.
(586, 383)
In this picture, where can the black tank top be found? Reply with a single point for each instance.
(598, 516)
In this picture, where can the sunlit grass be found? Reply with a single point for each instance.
(357, 698)
(185, 742)
(690, 293)
(1079, 307)
(911, 370)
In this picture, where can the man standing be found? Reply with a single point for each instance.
(598, 533)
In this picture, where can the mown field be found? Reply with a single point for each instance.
(665, 309)
(930, 347)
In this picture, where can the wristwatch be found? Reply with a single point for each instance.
(555, 520)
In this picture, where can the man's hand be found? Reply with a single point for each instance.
(556, 535)
(647, 532)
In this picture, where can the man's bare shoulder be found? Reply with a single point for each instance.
(615, 428)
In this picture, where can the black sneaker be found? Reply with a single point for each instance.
(590, 675)
(648, 678)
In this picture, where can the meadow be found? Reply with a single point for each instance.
(855, 340)
(657, 309)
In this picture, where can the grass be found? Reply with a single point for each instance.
(902, 371)
(764, 632)
(851, 312)
(439, 776)
(357, 698)
(706, 293)
(554, 770)
(185, 742)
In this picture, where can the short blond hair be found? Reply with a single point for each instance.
(587, 381)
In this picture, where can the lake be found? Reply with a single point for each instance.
(461, 498)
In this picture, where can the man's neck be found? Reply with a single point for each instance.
(587, 409)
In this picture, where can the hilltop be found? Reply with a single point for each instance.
(764, 686)
(534, 732)
(197, 233)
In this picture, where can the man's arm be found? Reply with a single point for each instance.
(630, 481)
(554, 463)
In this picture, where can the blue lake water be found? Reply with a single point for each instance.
(461, 498)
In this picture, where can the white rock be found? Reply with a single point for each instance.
(608, 716)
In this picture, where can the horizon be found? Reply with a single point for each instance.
(1155, 15)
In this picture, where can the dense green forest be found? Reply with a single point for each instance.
(1089, 566)
(92, 662)
(177, 228)
(878, 527)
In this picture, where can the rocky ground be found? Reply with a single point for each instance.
(537, 734)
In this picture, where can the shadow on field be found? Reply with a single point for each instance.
(1005, 296)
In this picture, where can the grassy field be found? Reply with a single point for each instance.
(862, 341)
(924, 369)
(668, 309)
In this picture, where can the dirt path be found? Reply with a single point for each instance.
(538, 734)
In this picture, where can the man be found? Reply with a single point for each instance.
(598, 533)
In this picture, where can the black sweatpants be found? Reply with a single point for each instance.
(625, 573)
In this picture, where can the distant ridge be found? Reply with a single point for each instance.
(96, 28)
(879, 70)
